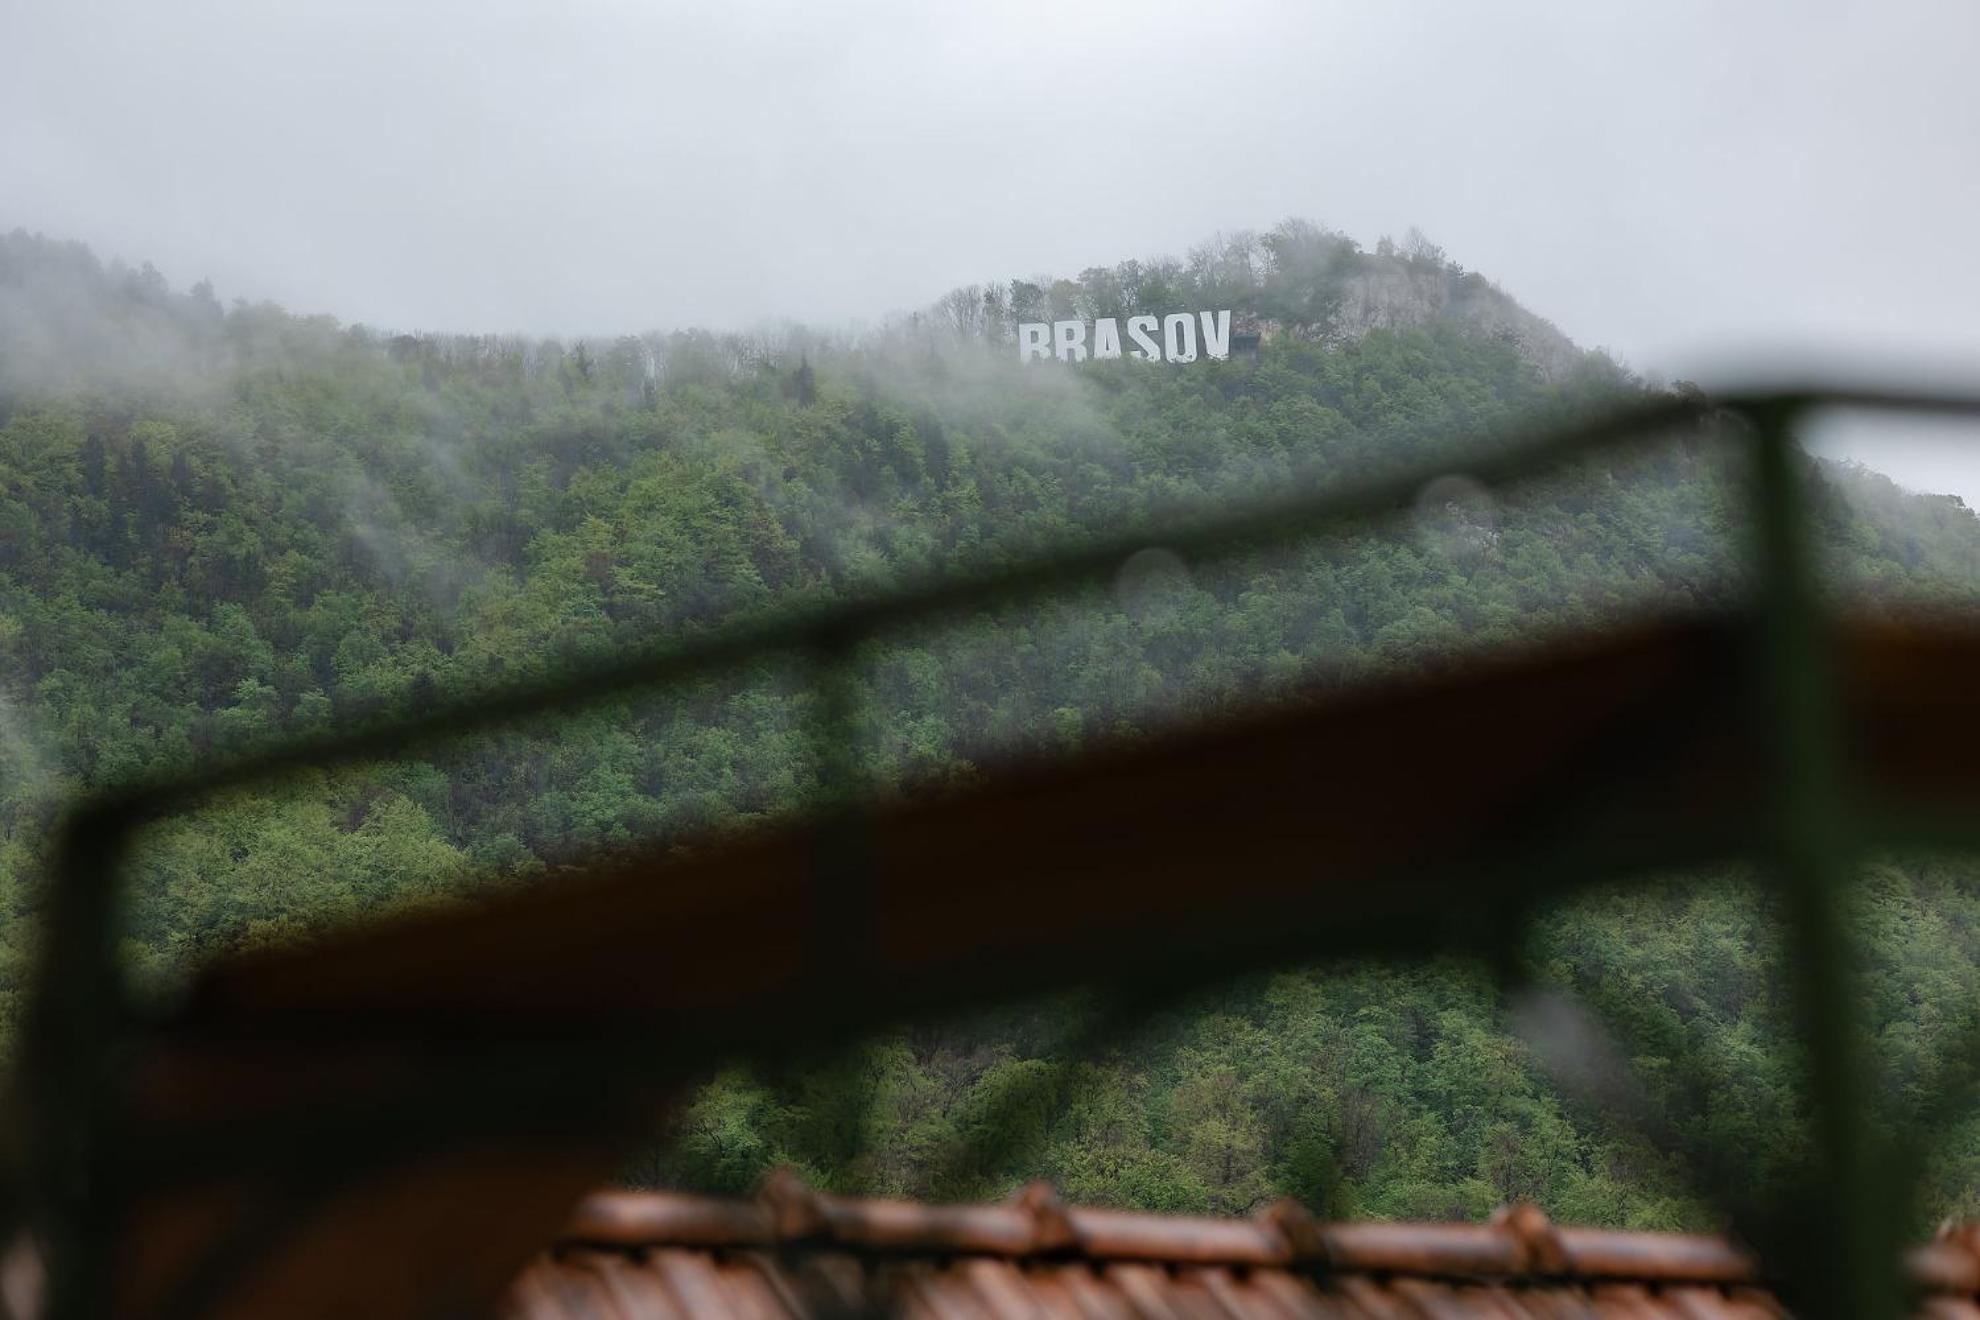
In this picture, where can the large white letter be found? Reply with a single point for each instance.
(1138, 328)
(1070, 338)
(1216, 334)
(1179, 337)
(1106, 338)
(1034, 340)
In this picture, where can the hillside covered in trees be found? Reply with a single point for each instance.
(220, 526)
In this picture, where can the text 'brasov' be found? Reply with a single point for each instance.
(1069, 341)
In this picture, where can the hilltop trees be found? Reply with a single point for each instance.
(219, 527)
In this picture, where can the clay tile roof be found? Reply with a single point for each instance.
(799, 1252)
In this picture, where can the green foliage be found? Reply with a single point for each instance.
(223, 527)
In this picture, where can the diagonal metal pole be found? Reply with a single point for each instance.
(70, 1066)
(1845, 1261)
(843, 898)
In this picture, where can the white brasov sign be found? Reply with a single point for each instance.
(1069, 342)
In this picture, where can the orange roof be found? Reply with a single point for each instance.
(796, 1252)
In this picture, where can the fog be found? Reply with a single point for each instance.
(1686, 185)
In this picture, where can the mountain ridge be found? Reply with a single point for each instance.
(223, 526)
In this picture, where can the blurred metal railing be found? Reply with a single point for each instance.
(84, 1008)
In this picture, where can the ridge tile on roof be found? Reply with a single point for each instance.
(795, 1251)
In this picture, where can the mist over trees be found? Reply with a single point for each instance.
(221, 525)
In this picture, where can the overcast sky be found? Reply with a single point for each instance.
(1688, 185)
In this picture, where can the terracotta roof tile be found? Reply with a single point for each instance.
(1950, 1308)
(798, 1252)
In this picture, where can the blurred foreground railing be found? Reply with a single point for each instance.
(84, 1014)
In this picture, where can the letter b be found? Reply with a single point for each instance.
(1034, 340)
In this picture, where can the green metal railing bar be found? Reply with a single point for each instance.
(66, 1084)
(1849, 1254)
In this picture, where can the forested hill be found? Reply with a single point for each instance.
(221, 525)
